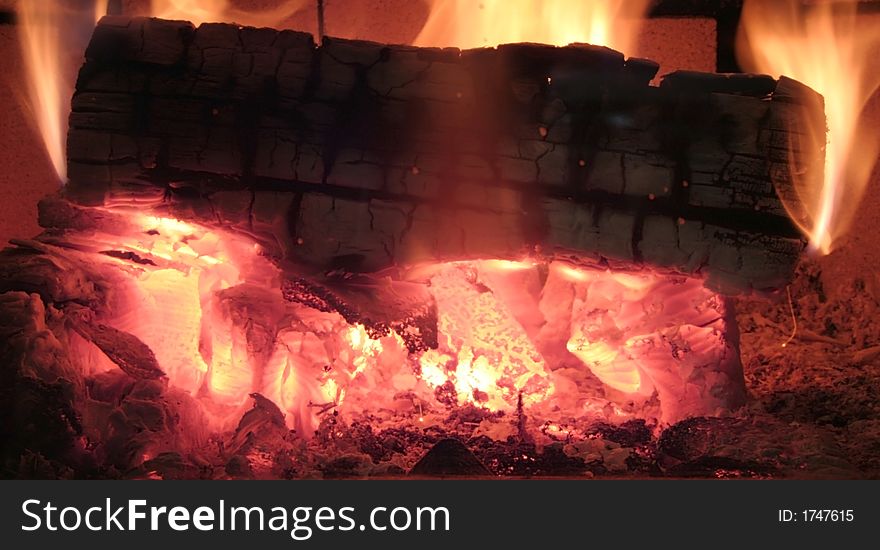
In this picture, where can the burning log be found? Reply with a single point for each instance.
(359, 155)
(268, 250)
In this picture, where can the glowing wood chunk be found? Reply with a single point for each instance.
(168, 318)
(295, 379)
(231, 375)
(643, 332)
(602, 360)
(562, 337)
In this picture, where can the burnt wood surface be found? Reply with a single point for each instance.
(359, 155)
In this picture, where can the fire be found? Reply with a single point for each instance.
(827, 46)
(52, 30)
(470, 24)
(207, 11)
(47, 30)
(546, 336)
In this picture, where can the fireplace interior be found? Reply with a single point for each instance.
(289, 254)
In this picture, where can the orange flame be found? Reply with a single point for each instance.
(470, 24)
(52, 30)
(48, 30)
(204, 11)
(827, 47)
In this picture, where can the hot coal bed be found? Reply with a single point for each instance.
(281, 260)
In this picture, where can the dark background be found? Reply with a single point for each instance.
(485, 514)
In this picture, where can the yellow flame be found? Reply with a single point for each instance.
(38, 31)
(827, 46)
(100, 9)
(204, 11)
(48, 30)
(166, 225)
(473, 24)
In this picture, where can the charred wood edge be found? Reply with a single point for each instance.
(319, 296)
(727, 218)
(128, 255)
(127, 351)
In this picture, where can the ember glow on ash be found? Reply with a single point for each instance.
(829, 47)
(561, 340)
(472, 24)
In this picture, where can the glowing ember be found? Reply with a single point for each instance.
(555, 338)
(626, 328)
(485, 353)
(468, 24)
(827, 46)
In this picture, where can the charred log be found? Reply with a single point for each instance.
(359, 155)
(380, 304)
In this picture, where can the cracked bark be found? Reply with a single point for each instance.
(361, 155)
